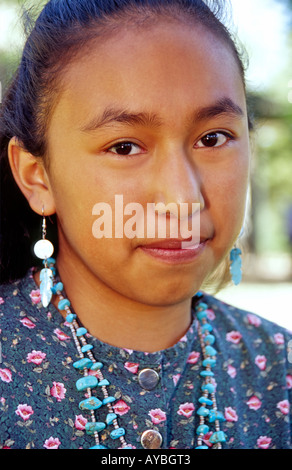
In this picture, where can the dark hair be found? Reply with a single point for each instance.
(62, 30)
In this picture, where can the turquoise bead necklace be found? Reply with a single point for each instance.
(207, 411)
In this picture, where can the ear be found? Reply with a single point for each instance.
(31, 177)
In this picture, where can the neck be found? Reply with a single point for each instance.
(120, 321)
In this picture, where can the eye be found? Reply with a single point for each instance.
(214, 139)
(125, 149)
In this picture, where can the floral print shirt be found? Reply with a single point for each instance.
(39, 400)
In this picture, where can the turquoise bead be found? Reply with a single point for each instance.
(217, 437)
(201, 315)
(49, 261)
(202, 447)
(205, 401)
(103, 383)
(116, 433)
(206, 373)
(91, 428)
(91, 403)
(208, 387)
(108, 400)
(70, 317)
(210, 351)
(63, 303)
(90, 381)
(96, 366)
(202, 411)
(201, 306)
(84, 363)
(98, 446)
(209, 339)
(216, 415)
(110, 418)
(86, 347)
(207, 327)
(209, 362)
(57, 287)
(202, 429)
(81, 331)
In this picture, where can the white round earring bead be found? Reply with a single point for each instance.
(43, 249)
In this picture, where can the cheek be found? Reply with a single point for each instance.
(225, 193)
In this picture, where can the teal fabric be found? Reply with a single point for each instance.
(39, 400)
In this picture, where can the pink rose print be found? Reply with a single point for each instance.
(24, 411)
(6, 375)
(157, 416)
(35, 296)
(230, 414)
(264, 442)
(80, 422)
(253, 320)
(131, 367)
(284, 407)
(121, 407)
(1, 300)
(233, 337)
(279, 338)
(27, 322)
(52, 443)
(58, 391)
(61, 335)
(193, 357)
(36, 357)
(231, 371)
(210, 314)
(289, 381)
(254, 403)
(261, 361)
(186, 409)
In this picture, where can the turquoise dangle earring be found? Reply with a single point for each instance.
(235, 265)
(44, 249)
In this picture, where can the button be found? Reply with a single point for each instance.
(148, 379)
(151, 439)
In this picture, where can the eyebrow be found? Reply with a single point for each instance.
(224, 106)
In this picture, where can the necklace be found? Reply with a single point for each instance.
(207, 412)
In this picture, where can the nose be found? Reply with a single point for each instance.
(176, 181)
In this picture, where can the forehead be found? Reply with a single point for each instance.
(161, 68)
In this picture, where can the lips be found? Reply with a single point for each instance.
(175, 244)
(172, 251)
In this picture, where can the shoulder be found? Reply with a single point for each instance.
(20, 311)
(228, 316)
(18, 298)
(242, 332)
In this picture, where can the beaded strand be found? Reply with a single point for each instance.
(208, 388)
(88, 382)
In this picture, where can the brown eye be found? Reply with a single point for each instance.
(125, 149)
(213, 139)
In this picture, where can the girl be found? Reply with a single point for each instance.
(111, 343)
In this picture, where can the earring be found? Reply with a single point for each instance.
(44, 249)
(235, 265)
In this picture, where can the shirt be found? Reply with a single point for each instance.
(39, 401)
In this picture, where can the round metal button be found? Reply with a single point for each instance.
(151, 439)
(148, 379)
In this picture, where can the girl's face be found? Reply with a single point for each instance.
(153, 115)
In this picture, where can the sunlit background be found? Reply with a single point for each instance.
(265, 30)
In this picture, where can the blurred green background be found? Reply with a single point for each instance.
(265, 30)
